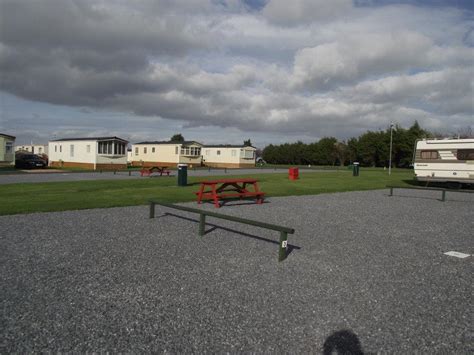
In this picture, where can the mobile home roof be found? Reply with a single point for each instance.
(90, 139)
(169, 142)
(7, 136)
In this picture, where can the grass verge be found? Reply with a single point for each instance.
(60, 196)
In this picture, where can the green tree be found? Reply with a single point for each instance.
(373, 148)
(340, 153)
(269, 154)
(325, 151)
(177, 138)
(248, 143)
(353, 149)
(370, 149)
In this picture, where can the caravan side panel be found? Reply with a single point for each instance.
(448, 160)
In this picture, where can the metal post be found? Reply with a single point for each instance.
(129, 173)
(225, 170)
(115, 172)
(152, 210)
(202, 224)
(391, 191)
(390, 160)
(283, 246)
(443, 197)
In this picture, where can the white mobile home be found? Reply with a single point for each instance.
(32, 148)
(7, 156)
(166, 153)
(445, 160)
(89, 153)
(229, 156)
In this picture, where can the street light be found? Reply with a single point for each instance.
(390, 160)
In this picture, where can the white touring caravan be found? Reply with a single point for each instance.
(445, 160)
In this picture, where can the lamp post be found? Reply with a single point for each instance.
(390, 159)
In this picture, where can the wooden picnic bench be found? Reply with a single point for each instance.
(158, 169)
(229, 188)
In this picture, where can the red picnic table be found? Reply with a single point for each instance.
(229, 188)
(159, 169)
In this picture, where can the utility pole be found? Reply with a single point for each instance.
(390, 160)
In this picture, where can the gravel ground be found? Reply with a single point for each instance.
(367, 272)
(34, 176)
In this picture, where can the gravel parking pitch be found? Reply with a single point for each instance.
(367, 272)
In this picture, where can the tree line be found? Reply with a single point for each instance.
(369, 149)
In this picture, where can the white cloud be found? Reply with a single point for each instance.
(298, 12)
(307, 69)
(354, 57)
(448, 91)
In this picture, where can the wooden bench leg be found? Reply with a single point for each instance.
(214, 197)
(257, 190)
(199, 195)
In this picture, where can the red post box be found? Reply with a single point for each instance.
(293, 173)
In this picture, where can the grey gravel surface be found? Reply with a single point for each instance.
(367, 271)
(33, 176)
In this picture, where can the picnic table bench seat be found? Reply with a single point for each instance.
(158, 169)
(229, 188)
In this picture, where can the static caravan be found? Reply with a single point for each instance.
(229, 156)
(166, 153)
(7, 156)
(89, 153)
(445, 160)
(32, 148)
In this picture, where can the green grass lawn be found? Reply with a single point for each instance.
(60, 196)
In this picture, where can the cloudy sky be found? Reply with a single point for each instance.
(221, 71)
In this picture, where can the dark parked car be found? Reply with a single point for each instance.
(29, 161)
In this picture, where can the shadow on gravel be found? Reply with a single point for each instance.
(229, 202)
(214, 227)
(416, 197)
(448, 199)
(240, 203)
(342, 342)
(441, 185)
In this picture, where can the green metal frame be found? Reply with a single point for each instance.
(284, 231)
(443, 191)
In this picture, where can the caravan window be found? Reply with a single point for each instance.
(465, 154)
(429, 154)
